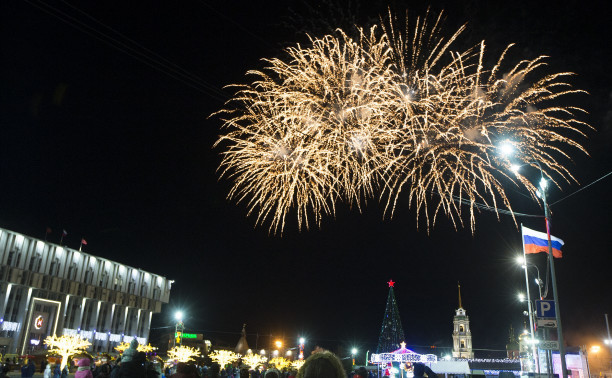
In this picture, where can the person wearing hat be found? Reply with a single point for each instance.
(134, 367)
(83, 370)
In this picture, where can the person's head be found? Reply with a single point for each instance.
(214, 370)
(181, 367)
(83, 362)
(272, 373)
(361, 372)
(418, 369)
(322, 365)
(244, 373)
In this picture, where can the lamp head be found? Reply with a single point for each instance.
(506, 148)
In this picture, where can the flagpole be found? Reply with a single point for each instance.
(554, 286)
(529, 308)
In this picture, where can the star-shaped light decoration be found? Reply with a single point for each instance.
(391, 283)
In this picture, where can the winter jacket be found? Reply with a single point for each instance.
(103, 371)
(115, 371)
(132, 369)
(47, 373)
(28, 370)
(184, 370)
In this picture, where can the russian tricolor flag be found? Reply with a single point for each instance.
(536, 242)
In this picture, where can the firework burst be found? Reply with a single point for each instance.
(388, 112)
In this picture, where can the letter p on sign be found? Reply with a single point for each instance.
(545, 309)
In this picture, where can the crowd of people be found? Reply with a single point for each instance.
(134, 364)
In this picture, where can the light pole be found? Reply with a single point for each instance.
(522, 261)
(608, 341)
(506, 149)
(534, 348)
(353, 353)
(301, 355)
(178, 328)
(553, 277)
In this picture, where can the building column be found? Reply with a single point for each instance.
(80, 321)
(108, 326)
(4, 301)
(95, 341)
(62, 320)
(21, 316)
(124, 324)
(137, 328)
(147, 328)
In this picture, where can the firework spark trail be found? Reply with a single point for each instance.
(388, 113)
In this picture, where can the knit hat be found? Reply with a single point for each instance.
(83, 362)
(130, 352)
(272, 373)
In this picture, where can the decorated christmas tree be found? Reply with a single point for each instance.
(391, 333)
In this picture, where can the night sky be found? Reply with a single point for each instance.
(110, 137)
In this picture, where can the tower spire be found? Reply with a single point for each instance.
(459, 288)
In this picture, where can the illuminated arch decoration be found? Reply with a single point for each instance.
(402, 355)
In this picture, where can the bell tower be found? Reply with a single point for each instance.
(462, 336)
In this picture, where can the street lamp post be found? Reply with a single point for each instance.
(553, 277)
(534, 348)
(302, 341)
(178, 327)
(353, 353)
(506, 149)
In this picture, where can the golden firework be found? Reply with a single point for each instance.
(391, 112)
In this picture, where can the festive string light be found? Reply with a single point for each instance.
(66, 346)
(183, 353)
(253, 360)
(141, 348)
(224, 357)
(281, 363)
(392, 112)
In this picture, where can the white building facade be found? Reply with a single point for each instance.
(48, 289)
